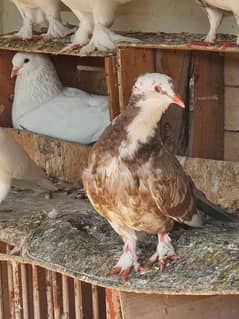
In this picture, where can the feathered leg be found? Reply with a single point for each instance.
(103, 39)
(164, 251)
(128, 260)
(25, 32)
(215, 18)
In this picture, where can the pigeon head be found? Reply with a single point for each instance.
(26, 63)
(156, 87)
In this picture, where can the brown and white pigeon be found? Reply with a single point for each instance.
(216, 9)
(135, 182)
(96, 16)
(36, 12)
(15, 164)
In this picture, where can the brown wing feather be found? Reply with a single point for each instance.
(171, 188)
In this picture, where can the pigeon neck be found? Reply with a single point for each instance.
(35, 89)
(143, 127)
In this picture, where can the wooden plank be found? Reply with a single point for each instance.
(207, 137)
(231, 69)
(232, 108)
(61, 159)
(132, 63)
(113, 307)
(6, 88)
(174, 123)
(231, 152)
(112, 86)
(173, 307)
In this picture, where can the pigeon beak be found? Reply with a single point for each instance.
(177, 100)
(14, 72)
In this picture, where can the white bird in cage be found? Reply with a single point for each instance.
(96, 16)
(37, 12)
(216, 9)
(17, 167)
(42, 105)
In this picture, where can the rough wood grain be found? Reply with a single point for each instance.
(208, 106)
(61, 159)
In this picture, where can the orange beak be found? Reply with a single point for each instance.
(177, 100)
(14, 72)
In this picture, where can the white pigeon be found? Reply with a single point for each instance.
(96, 16)
(216, 9)
(15, 164)
(42, 105)
(36, 12)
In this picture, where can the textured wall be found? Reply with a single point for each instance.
(143, 15)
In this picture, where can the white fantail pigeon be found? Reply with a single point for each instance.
(135, 182)
(15, 164)
(216, 9)
(96, 16)
(37, 12)
(42, 105)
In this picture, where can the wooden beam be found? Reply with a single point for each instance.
(174, 123)
(6, 88)
(112, 86)
(207, 136)
(132, 63)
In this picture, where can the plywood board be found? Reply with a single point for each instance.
(208, 106)
(231, 69)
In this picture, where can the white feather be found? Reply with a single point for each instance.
(35, 12)
(43, 105)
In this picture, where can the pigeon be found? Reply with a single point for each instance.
(36, 12)
(136, 183)
(96, 16)
(216, 9)
(42, 105)
(17, 166)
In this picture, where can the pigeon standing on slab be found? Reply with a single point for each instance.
(96, 16)
(35, 12)
(42, 105)
(135, 182)
(15, 164)
(216, 9)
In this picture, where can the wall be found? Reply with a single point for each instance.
(143, 15)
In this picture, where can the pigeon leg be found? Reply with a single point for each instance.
(164, 251)
(104, 40)
(215, 18)
(81, 37)
(129, 259)
(237, 19)
(25, 33)
(56, 29)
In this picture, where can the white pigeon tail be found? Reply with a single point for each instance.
(15, 164)
(38, 12)
(96, 16)
(216, 9)
(42, 105)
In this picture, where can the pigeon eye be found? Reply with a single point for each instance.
(158, 89)
(26, 60)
